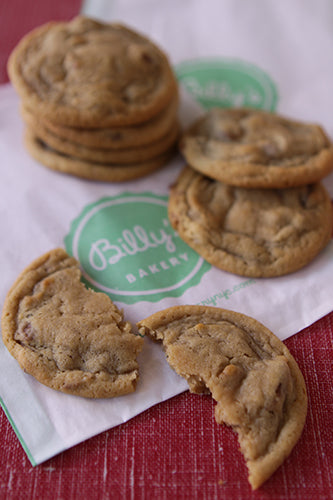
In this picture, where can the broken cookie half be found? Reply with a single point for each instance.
(68, 337)
(258, 386)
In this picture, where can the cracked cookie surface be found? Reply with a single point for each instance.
(85, 73)
(259, 389)
(257, 149)
(250, 232)
(68, 337)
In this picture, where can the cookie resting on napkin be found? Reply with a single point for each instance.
(68, 337)
(258, 386)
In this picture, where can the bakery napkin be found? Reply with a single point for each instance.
(224, 53)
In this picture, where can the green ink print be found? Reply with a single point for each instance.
(128, 249)
(227, 83)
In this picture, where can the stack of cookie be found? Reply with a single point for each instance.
(250, 200)
(100, 101)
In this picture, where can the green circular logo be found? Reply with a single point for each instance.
(227, 83)
(128, 249)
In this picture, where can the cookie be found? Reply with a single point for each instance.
(86, 73)
(69, 338)
(250, 232)
(138, 154)
(257, 384)
(89, 170)
(257, 149)
(117, 137)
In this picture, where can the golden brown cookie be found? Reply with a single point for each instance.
(250, 232)
(109, 172)
(257, 384)
(85, 73)
(137, 154)
(257, 149)
(141, 134)
(69, 338)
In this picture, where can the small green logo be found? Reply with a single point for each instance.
(128, 249)
(227, 83)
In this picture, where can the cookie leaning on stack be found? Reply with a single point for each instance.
(250, 201)
(100, 101)
(257, 149)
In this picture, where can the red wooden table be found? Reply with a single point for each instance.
(175, 449)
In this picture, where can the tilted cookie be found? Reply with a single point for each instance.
(85, 73)
(250, 232)
(258, 386)
(69, 338)
(257, 149)
(107, 172)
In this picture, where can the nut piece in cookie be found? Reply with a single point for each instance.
(68, 337)
(257, 149)
(257, 384)
(250, 232)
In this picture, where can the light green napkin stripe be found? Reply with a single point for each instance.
(25, 447)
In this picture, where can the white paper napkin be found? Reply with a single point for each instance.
(38, 206)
